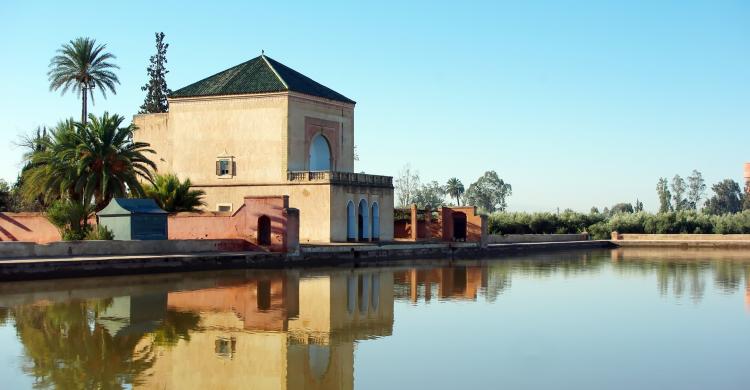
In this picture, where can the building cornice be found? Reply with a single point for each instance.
(260, 96)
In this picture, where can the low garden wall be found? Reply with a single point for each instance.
(10, 250)
(679, 237)
(522, 238)
(29, 227)
(281, 230)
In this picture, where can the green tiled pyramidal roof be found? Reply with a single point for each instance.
(262, 74)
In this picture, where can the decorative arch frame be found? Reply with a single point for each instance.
(331, 130)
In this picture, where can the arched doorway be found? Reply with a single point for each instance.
(320, 154)
(459, 226)
(351, 222)
(264, 230)
(375, 222)
(363, 221)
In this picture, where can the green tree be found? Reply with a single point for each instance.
(81, 65)
(430, 196)
(6, 197)
(156, 88)
(489, 192)
(727, 198)
(50, 170)
(85, 163)
(638, 206)
(746, 197)
(407, 185)
(678, 193)
(662, 189)
(455, 189)
(696, 189)
(622, 208)
(109, 162)
(174, 195)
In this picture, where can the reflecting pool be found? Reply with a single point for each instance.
(604, 319)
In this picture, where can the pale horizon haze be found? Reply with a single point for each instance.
(576, 105)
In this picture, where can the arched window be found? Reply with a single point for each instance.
(351, 222)
(363, 221)
(375, 221)
(320, 154)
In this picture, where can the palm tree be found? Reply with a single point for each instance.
(455, 189)
(82, 65)
(174, 196)
(109, 162)
(85, 163)
(50, 170)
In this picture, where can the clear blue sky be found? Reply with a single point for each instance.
(577, 104)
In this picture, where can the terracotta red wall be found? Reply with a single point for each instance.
(31, 227)
(242, 224)
(441, 228)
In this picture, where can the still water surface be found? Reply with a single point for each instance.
(621, 319)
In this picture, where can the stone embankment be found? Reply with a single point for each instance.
(308, 255)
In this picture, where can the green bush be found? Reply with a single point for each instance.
(99, 232)
(599, 225)
(71, 218)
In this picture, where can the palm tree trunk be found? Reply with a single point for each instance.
(84, 99)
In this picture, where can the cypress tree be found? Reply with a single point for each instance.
(156, 88)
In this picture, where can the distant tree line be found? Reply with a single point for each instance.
(489, 192)
(678, 195)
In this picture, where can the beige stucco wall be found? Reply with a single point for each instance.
(322, 206)
(312, 201)
(266, 135)
(343, 194)
(250, 128)
(152, 128)
(301, 107)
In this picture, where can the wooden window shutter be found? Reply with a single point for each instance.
(218, 167)
(234, 168)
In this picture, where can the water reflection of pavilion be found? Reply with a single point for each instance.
(282, 330)
(459, 282)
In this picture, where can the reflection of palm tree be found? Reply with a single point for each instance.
(68, 349)
(176, 325)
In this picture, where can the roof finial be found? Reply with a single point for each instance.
(262, 52)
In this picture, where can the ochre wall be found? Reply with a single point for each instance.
(31, 227)
(312, 201)
(309, 116)
(252, 128)
(340, 197)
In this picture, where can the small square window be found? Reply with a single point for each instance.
(225, 167)
(224, 207)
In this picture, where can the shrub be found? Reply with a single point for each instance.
(70, 218)
(99, 232)
(600, 225)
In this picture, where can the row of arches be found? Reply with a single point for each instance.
(362, 221)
